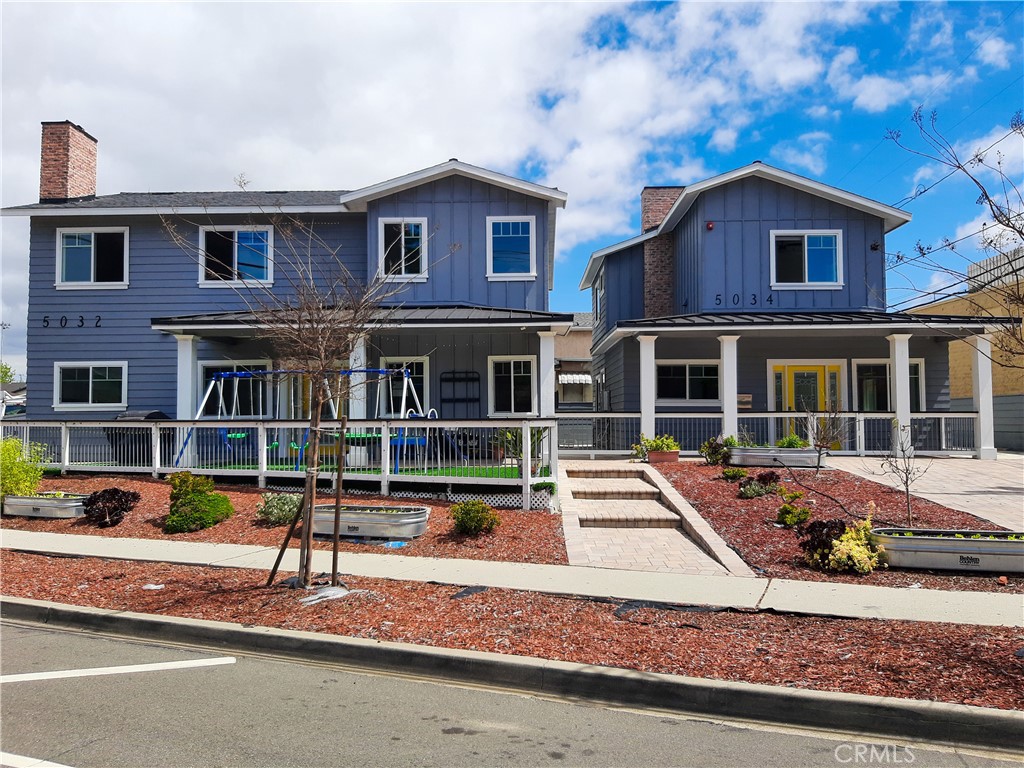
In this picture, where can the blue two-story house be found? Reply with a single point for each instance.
(137, 301)
(759, 293)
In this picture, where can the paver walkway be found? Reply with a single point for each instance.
(991, 490)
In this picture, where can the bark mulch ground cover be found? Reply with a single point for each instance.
(949, 662)
(522, 537)
(748, 525)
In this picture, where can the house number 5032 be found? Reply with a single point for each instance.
(74, 321)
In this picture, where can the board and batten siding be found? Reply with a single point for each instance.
(163, 281)
(623, 288)
(456, 209)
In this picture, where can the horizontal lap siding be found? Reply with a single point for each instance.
(163, 281)
(1007, 416)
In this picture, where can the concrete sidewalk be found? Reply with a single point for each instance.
(801, 597)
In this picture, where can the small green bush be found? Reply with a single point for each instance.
(474, 517)
(656, 443)
(546, 485)
(715, 449)
(769, 477)
(186, 484)
(791, 515)
(279, 508)
(751, 489)
(792, 441)
(198, 511)
(734, 474)
(107, 508)
(20, 467)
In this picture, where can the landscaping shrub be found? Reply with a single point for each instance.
(279, 508)
(831, 545)
(734, 474)
(715, 450)
(185, 484)
(107, 508)
(751, 489)
(474, 517)
(769, 477)
(20, 467)
(545, 485)
(197, 511)
(792, 441)
(790, 513)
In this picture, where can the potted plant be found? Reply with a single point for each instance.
(656, 450)
(508, 444)
(952, 550)
(20, 472)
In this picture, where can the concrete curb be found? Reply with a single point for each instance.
(951, 724)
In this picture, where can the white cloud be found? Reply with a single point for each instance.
(823, 112)
(808, 151)
(930, 29)
(879, 92)
(724, 139)
(993, 49)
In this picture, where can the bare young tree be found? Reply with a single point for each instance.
(826, 430)
(994, 288)
(900, 464)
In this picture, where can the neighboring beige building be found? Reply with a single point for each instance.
(574, 389)
(985, 298)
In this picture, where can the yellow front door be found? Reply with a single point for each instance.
(806, 387)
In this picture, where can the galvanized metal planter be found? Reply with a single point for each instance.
(765, 456)
(67, 505)
(952, 550)
(372, 521)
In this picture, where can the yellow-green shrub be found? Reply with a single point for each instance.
(21, 467)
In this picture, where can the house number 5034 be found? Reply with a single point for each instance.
(75, 321)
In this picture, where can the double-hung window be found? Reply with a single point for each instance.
(235, 396)
(92, 258)
(236, 255)
(689, 380)
(511, 387)
(511, 247)
(90, 386)
(402, 245)
(806, 259)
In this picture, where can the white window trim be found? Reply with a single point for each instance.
(420, 277)
(491, 360)
(405, 360)
(268, 228)
(508, 276)
(601, 297)
(90, 364)
(202, 365)
(844, 389)
(888, 372)
(829, 286)
(92, 285)
(688, 362)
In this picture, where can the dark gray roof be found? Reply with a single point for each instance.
(712, 319)
(583, 319)
(237, 198)
(440, 314)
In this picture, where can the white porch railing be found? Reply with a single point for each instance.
(495, 452)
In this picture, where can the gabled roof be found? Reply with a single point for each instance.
(891, 217)
(237, 201)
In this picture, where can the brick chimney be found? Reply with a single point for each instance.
(67, 168)
(659, 256)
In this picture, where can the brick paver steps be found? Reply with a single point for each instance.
(632, 513)
(646, 549)
(622, 470)
(615, 488)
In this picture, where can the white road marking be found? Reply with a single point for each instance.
(7, 760)
(158, 667)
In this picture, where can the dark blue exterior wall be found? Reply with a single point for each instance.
(624, 289)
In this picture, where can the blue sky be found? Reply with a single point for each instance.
(597, 99)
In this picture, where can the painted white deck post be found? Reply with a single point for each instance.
(185, 408)
(546, 379)
(648, 380)
(984, 425)
(357, 382)
(899, 388)
(729, 386)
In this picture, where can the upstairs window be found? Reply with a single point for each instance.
(511, 247)
(807, 259)
(89, 386)
(403, 249)
(92, 258)
(687, 380)
(236, 255)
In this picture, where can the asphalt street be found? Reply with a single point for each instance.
(85, 700)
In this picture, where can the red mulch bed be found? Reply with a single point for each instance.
(748, 525)
(950, 662)
(522, 537)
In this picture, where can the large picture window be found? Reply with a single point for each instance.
(236, 255)
(93, 258)
(807, 259)
(871, 379)
(90, 385)
(511, 247)
(403, 248)
(511, 386)
(687, 380)
(244, 397)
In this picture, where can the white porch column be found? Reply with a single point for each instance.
(185, 408)
(648, 389)
(984, 426)
(357, 382)
(546, 379)
(728, 385)
(899, 388)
